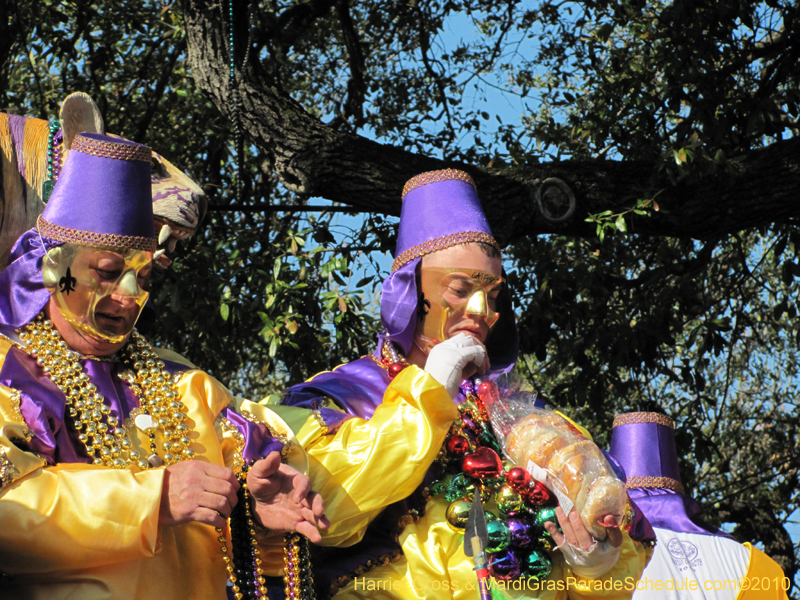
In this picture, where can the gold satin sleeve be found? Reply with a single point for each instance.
(368, 464)
(206, 397)
(70, 516)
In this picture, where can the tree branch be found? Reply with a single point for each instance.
(310, 158)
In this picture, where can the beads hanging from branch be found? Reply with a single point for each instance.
(234, 97)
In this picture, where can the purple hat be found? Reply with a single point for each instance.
(440, 209)
(103, 195)
(101, 198)
(644, 445)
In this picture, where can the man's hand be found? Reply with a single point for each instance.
(284, 500)
(586, 556)
(456, 359)
(576, 533)
(197, 491)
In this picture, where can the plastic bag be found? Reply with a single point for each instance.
(555, 452)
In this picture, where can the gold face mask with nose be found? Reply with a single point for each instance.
(79, 277)
(450, 291)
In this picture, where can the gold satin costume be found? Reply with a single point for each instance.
(367, 465)
(80, 531)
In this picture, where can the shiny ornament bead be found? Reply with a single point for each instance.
(519, 478)
(457, 445)
(505, 565)
(437, 488)
(488, 393)
(395, 369)
(543, 515)
(482, 463)
(537, 494)
(509, 502)
(458, 513)
(537, 565)
(521, 532)
(460, 487)
(498, 536)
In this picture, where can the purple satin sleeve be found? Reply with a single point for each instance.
(670, 510)
(357, 387)
(258, 441)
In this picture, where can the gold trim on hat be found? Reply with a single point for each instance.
(442, 243)
(90, 238)
(436, 177)
(643, 417)
(655, 482)
(105, 149)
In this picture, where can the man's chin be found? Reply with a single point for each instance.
(105, 342)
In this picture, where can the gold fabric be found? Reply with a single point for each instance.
(434, 566)
(367, 465)
(765, 580)
(416, 413)
(90, 532)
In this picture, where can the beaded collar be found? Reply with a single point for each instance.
(106, 442)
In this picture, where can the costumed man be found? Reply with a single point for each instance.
(692, 559)
(393, 420)
(121, 463)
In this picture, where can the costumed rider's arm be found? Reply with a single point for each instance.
(597, 568)
(366, 465)
(246, 432)
(69, 516)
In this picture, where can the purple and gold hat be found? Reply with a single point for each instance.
(644, 445)
(103, 196)
(440, 209)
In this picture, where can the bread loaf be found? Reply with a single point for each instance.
(573, 463)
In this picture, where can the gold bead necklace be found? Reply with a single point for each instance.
(106, 441)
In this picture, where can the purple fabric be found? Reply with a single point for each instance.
(22, 291)
(357, 387)
(438, 209)
(103, 195)
(399, 306)
(16, 124)
(674, 511)
(43, 405)
(258, 440)
(646, 450)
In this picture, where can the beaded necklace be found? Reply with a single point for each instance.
(244, 568)
(160, 410)
(55, 138)
(516, 507)
(106, 442)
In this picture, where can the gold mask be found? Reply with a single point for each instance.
(450, 291)
(80, 277)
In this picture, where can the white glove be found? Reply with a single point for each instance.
(592, 563)
(446, 361)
